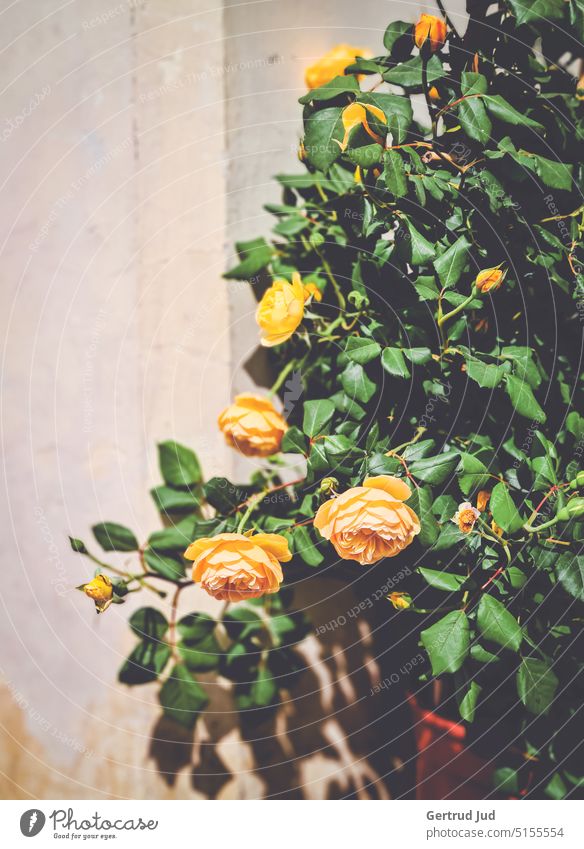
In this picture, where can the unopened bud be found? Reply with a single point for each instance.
(572, 510)
(316, 239)
(401, 601)
(490, 279)
(430, 33)
(100, 591)
(578, 481)
(328, 486)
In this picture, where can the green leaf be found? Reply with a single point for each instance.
(536, 685)
(570, 573)
(323, 135)
(170, 500)
(148, 624)
(392, 360)
(195, 627)
(178, 465)
(395, 173)
(223, 495)
(450, 265)
(473, 83)
(263, 690)
(182, 697)
(145, 663)
(420, 502)
(474, 119)
(505, 780)
(409, 74)
(361, 349)
(346, 84)
(556, 175)
(446, 581)
(503, 111)
(166, 566)
(449, 537)
(254, 255)
(201, 656)
(418, 356)
(356, 384)
(242, 623)
(447, 642)
(523, 399)
(412, 245)
(487, 376)
(395, 31)
(435, 470)
(498, 625)
(114, 537)
(504, 511)
(306, 548)
(474, 474)
(317, 414)
(468, 703)
(294, 441)
(538, 11)
(175, 538)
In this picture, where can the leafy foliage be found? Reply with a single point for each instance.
(409, 369)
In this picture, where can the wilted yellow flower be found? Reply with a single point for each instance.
(369, 522)
(465, 517)
(401, 601)
(490, 279)
(252, 425)
(281, 309)
(496, 529)
(333, 64)
(483, 500)
(236, 567)
(100, 591)
(430, 33)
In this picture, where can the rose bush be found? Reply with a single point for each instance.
(439, 221)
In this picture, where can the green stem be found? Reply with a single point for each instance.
(334, 282)
(281, 377)
(252, 505)
(442, 319)
(531, 530)
(429, 104)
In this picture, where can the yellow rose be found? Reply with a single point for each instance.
(234, 567)
(281, 309)
(100, 591)
(430, 33)
(490, 278)
(252, 426)
(369, 522)
(333, 64)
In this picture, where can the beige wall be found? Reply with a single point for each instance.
(139, 142)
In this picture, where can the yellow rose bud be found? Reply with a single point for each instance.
(580, 88)
(100, 591)
(235, 567)
(333, 64)
(490, 279)
(369, 522)
(483, 500)
(355, 115)
(252, 426)
(465, 517)
(430, 33)
(281, 310)
(401, 601)
(433, 93)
